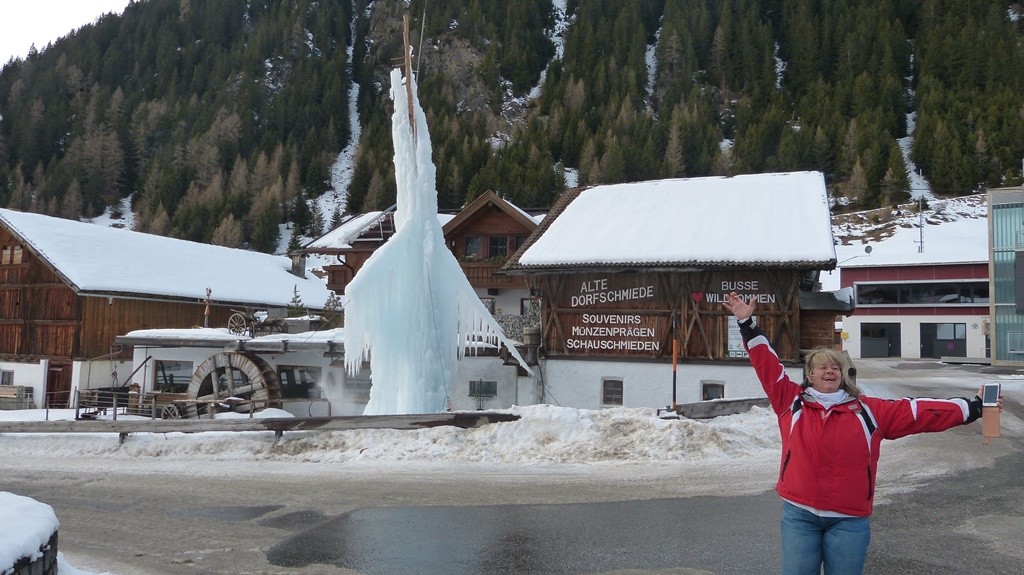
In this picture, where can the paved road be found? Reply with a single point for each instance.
(721, 518)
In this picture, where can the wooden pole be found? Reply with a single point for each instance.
(408, 73)
(675, 355)
(206, 311)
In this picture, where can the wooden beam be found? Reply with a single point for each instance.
(464, 420)
(711, 409)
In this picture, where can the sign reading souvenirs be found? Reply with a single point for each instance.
(613, 332)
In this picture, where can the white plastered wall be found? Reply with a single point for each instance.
(578, 383)
(910, 332)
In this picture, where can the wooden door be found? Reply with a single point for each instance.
(58, 385)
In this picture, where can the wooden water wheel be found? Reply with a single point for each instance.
(230, 378)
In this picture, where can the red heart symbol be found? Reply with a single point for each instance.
(697, 296)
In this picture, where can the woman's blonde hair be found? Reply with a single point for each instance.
(821, 355)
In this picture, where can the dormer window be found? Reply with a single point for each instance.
(497, 247)
(474, 247)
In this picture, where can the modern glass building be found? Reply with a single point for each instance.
(1006, 274)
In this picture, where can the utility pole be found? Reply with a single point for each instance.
(920, 224)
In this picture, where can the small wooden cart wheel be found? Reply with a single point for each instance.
(237, 324)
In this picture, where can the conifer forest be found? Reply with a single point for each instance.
(220, 120)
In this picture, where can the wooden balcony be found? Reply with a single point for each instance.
(481, 275)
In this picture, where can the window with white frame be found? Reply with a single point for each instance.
(529, 307)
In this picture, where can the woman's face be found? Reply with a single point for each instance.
(826, 376)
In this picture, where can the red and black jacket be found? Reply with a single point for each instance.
(830, 456)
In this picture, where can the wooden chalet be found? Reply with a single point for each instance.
(67, 289)
(481, 236)
(636, 271)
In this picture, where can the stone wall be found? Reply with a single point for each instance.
(513, 325)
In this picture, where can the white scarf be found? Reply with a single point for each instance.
(827, 400)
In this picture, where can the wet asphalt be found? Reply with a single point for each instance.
(946, 526)
(966, 523)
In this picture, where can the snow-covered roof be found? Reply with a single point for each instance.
(534, 218)
(98, 259)
(779, 219)
(474, 209)
(328, 339)
(354, 226)
(341, 237)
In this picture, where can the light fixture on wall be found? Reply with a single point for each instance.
(867, 252)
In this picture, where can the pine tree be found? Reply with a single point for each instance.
(294, 240)
(336, 217)
(295, 305)
(333, 309)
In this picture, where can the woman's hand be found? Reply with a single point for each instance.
(738, 307)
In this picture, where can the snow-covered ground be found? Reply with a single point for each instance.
(545, 440)
(543, 436)
(739, 452)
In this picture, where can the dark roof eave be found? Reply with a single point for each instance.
(827, 301)
(141, 296)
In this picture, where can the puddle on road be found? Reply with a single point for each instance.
(519, 539)
(295, 521)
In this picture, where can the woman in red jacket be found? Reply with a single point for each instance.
(831, 434)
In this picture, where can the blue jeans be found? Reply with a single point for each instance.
(808, 541)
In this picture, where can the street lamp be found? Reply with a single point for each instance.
(867, 252)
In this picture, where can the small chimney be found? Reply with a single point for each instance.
(298, 264)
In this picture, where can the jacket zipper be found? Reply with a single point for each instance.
(871, 487)
(785, 464)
